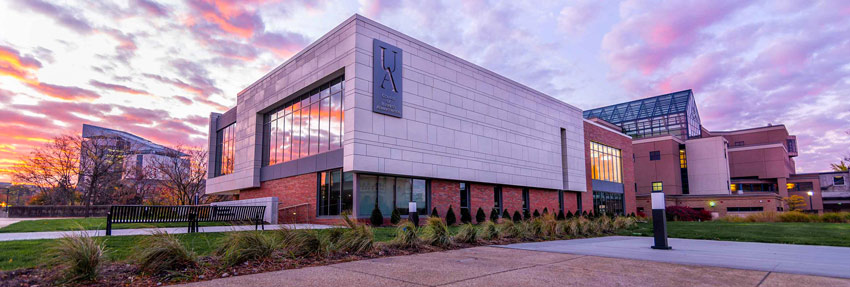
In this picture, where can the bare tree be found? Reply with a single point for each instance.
(181, 175)
(101, 169)
(53, 168)
(140, 184)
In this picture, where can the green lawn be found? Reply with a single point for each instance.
(832, 234)
(91, 223)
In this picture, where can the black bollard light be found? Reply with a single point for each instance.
(659, 221)
(412, 213)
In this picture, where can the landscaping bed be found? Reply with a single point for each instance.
(169, 259)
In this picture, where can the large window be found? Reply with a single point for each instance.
(745, 209)
(389, 192)
(608, 203)
(754, 187)
(308, 125)
(606, 163)
(800, 186)
(225, 150)
(335, 192)
(464, 195)
(497, 198)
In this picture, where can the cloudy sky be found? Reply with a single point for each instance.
(158, 68)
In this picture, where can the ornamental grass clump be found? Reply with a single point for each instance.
(301, 243)
(488, 231)
(358, 238)
(436, 233)
(162, 253)
(405, 236)
(77, 256)
(239, 247)
(623, 222)
(794, 216)
(467, 233)
(509, 229)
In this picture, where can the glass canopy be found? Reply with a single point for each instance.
(670, 114)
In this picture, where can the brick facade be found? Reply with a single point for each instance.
(482, 197)
(594, 132)
(543, 199)
(445, 193)
(767, 201)
(512, 198)
(290, 191)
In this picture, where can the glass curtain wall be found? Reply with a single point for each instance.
(671, 114)
(309, 125)
(225, 150)
(389, 192)
(606, 163)
(608, 203)
(336, 191)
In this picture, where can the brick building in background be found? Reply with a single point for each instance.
(367, 117)
(725, 172)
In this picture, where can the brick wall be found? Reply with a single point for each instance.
(445, 193)
(595, 133)
(543, 198)
(482, 197)
(289, 191)
(768, 202)
(512, 198)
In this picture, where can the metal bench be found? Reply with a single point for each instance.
(190, 214)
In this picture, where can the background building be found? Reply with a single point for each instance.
(367, 117)
(836, 190)
(733, 172)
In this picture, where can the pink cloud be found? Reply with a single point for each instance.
(118, 88)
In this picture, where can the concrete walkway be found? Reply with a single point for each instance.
(5, 221)
(785, 258)
(493, 266)
(147, 231)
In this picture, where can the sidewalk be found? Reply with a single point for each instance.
(147, 231)
(494, 266)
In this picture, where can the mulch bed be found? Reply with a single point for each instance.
(124, 274)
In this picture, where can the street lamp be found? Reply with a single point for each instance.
(811, 207)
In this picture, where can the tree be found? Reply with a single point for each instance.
(53, 169)
(395, 216)
(181, 174)
(506, 214)
(840, 166)
(465, 216)
(517, 217)
(526, 214)
(377, 219)
(434, 213)
(101, 169)
(535, 214)
(480, 217)
(450, 217)
(795, 202)
(494, 215)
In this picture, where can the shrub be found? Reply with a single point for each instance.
(768, 216)
(517, 217)
(684, 213)
(545, 211)
(623, 222)
(162, 252)
(509, 229)
(450, 216)
(569, 214)
(480, 217)
(506, 214)
(795, 202)
(535, 228)
(238, 247)
(833, 217)
(377, 219)
(526, 215)
(573, 229)
(536, 214)
(584, 214)
(358, 237)
(494, 215)
(561, 229)
(300, 243)
(395, 217)
(793, 216)
(489, 231)
(436, 232)
(465, 217)
(405, 236)
(77, 256)
(466, 234)
(434, 213)
(560, 215)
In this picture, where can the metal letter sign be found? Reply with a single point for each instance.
(386, 79)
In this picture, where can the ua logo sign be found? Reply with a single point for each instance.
(387, 79)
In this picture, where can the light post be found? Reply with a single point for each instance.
(811, 207)
(659, 220)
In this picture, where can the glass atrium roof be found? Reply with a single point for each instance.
(673, 103)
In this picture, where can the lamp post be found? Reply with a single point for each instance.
(811, 207)
(659, 220)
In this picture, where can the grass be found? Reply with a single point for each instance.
(830, 234)
(91, 223)
(29, 253)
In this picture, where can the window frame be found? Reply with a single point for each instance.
(655, 155)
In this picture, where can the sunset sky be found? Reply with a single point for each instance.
(157, 68)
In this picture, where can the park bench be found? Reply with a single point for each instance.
(190, 214)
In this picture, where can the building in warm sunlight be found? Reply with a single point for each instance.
(725, 172)
(367, 117)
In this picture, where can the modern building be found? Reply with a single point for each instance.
(367, 117)
(836, 190)
(726, 172)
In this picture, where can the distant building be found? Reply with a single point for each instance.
(835, 187)
(727, 172)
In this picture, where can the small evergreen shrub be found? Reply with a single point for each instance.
(480, 217)
(569, 214)
(506, 214)
(450, 216)
(377, 219)
(434, 213)
(526, 214)
(545, 211)
(395, 217)
(536, 214)
(494, 215)
(465, 217)
(560, 215)
(517, 217)
(467, 233)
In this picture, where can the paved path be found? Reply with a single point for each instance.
(494, 266)
(147, 231)
(5, 221)
(785, 258)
